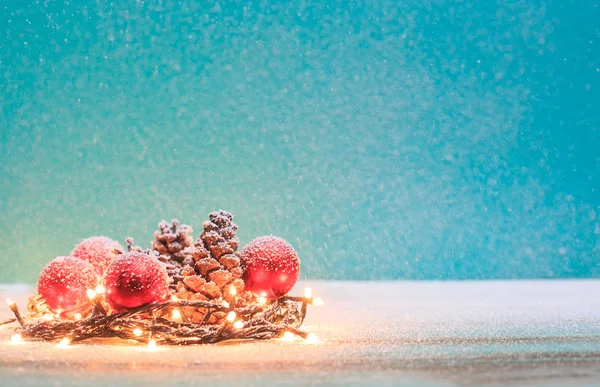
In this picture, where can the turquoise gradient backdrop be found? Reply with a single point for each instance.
(383, 139)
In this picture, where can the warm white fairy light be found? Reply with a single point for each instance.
(16, 339)
(307, 292)
(231, 316)
(91, 294)
(287, 336)
(15, 309)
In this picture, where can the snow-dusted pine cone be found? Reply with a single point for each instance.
(216, 273)
(172, 242)
(172, 239)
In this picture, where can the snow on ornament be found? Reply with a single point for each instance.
(99, 251)
(63, 284)
(134, 279)
(271, 266)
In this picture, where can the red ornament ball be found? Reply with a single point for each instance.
(271, 266)
(99, 251)
(64, 282)
(135, 279)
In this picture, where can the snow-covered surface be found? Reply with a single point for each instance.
(377, 333)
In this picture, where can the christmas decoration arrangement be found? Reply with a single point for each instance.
(180, 291)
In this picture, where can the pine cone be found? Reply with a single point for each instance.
(172, 239)
(216, 269)
(172, 242)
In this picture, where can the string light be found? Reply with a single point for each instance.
(91, 294)
(100, 289)
(16, 339)
(307, 292)
(231, 316)
(287, 336)
(98, 308)
(90, 326)
(174, 298)
(15, 309)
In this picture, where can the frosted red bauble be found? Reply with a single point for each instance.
(135, 279)
(63, 283)
(99, 251)
(271, 266)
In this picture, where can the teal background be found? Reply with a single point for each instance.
(384, 139)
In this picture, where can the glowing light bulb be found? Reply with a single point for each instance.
(176, 314)
(238, 324)
(232, 290)
(262, 300)
(174, 298)
(16, 339)
(64, 343)
(231, 316)
(91, 294)
(152, 345)
(317, 301)
(137, 332)
(287, 336)
(77, 316)
(100, 289)
(48, 317)
(225, 304)
(263, 294)
(307, 292)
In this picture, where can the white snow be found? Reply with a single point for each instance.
(379, 333)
